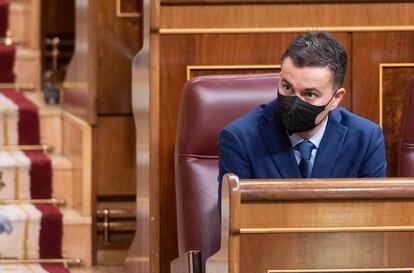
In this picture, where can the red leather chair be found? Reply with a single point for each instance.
(208, 103)
(406, 158)
(4, 17)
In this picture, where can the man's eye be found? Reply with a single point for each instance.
(310, 95)
(286, 87)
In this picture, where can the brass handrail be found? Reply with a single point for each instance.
(108, 222)
(22, 87)
(116, 213)
(55, 52)
(42, 147)
(64, 261)
(52, 201)
(117, 226)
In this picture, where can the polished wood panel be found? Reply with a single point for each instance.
(129, 6)
(369, 50)
(326, 250)
(114, 156)
(339, 203)
(78, 95)
(393, 86)
(333, 189)
(383, 48)
(77, 237)
(27, 24)
(346, 270)
(117, 42)
(286, 15)
(344, 214)
(222, 2)
(156, 197)
(58, 17)
(99, 76)
(77, 147)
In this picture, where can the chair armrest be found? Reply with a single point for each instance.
(189, 262)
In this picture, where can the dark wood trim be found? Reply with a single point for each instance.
(253, 2)
(333, 189)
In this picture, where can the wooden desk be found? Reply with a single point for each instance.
(333, 225)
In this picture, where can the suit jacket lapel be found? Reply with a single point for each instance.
(278, 144)
(330, 147)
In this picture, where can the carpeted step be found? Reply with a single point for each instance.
(33, 268)
(30, 231)
(4, 17)
(19, 119)
(25, 175)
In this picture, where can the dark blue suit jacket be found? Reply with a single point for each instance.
(257, 146)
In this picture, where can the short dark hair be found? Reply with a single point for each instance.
(318, 49)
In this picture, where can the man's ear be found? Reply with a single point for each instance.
(340, 93)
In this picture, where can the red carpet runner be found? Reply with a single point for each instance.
(27, 174)
(22, 110)
(26, 231)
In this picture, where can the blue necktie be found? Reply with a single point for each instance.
(305, 148)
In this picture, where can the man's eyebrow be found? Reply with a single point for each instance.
(309, 89)
(286, 81)
(312, 89)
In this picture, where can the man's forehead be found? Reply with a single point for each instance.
(306, 77)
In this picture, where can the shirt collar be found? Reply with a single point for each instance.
(315, 139)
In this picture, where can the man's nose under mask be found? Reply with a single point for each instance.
(297, 115)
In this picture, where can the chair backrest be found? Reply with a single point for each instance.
(406, 157)
(4, 17)
(208, 103)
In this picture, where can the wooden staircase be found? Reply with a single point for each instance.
(71, 156)
(68, 136)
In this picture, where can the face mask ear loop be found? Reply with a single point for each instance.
(332, 97)
(325, 107)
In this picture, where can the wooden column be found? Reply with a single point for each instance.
(98, 89)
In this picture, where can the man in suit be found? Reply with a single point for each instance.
(303, 133)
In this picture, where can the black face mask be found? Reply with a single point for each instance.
(296, 115)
